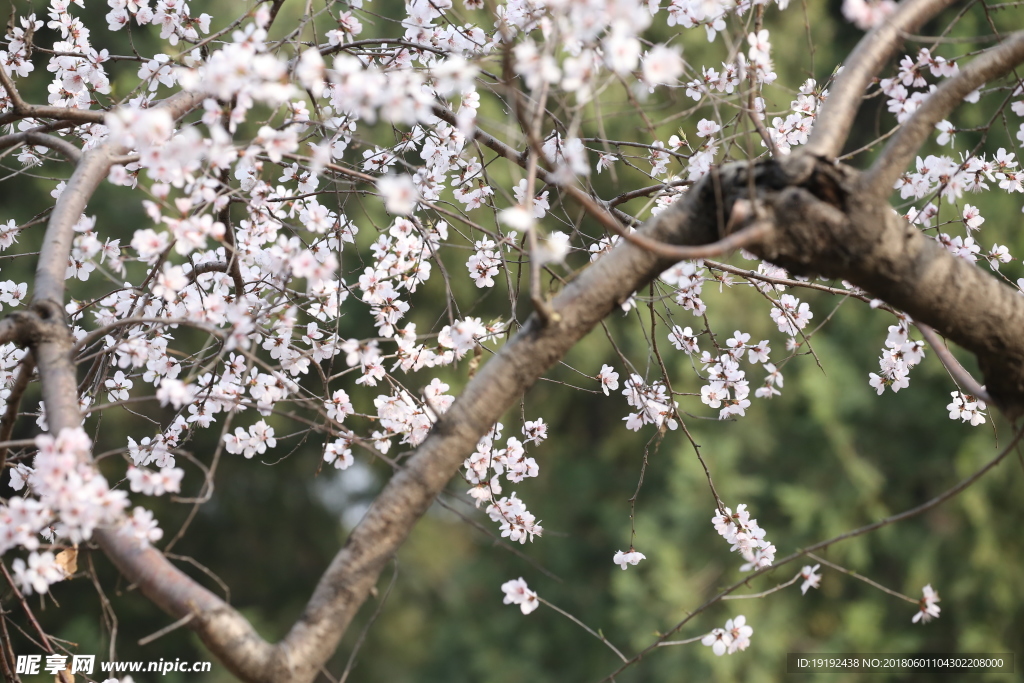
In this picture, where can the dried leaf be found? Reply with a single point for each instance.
(68, 560)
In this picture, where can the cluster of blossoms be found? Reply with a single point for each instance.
(687, 280)
(791, 315)
(515, 521)
(485, 467)
(257, 439)
(150, 483)
(172, 16)
(745, 536)
(400, 414)
(899, 355)
(652, 403)
(966, 408)
(66, 499)
(728, 388)
(38, 574)
(945, 177)
(902, 102)
(484, 264)
(795, 129)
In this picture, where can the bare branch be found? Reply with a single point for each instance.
(989, 65)
(585, 627)
(69, 151)
(748, 236)
(837, 114)
(860, 577)
(222, 629)
(170, 628)
(956, 371)
(128, 322)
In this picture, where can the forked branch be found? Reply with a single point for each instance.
(834, 121)
(988, 66)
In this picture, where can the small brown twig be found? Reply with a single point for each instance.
(28, 366)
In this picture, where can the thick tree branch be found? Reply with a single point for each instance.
(223, 630)
(10, 329)
(580, 307)
(832, 126)
(824, 224)
(989, 65)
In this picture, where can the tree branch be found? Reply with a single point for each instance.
(20, 109)
(28, 366)
(952, 365)
(825, 225)
(69, 151)
(833, 123)
(989, 65)
(10, 329)
(228, 635)
(580, 307)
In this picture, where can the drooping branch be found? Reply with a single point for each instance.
(21, 382)
(834, 121)
(988, 66)
(65, 148)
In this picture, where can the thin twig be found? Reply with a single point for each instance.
(787, 584)
(167, 629)
(803, 552)
(584, 626)
(28, 366)
(860, 577)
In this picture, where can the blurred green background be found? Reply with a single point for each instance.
(825, 457)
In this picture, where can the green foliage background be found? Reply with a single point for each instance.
(825, 457)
